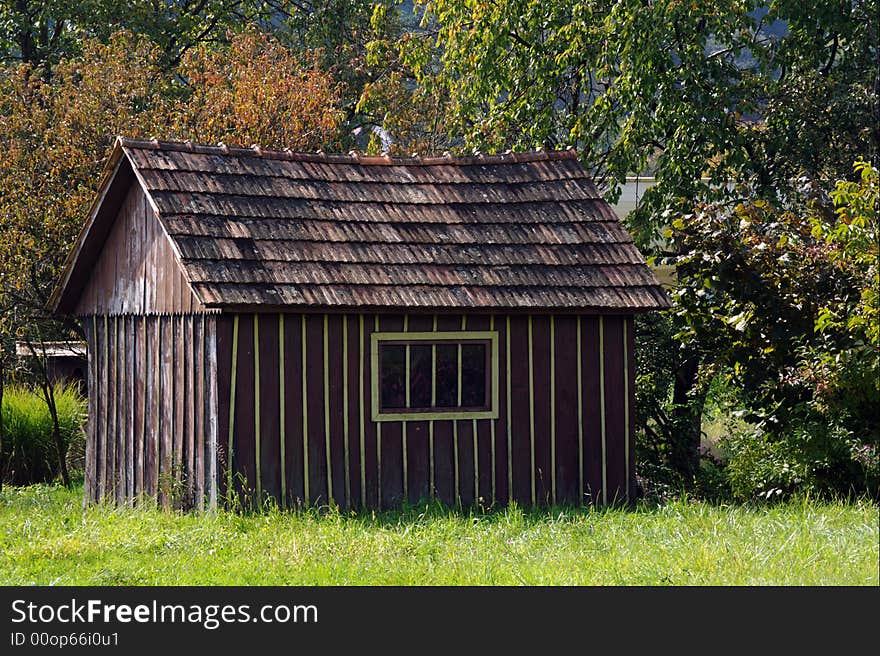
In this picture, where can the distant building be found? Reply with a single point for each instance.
(66, 361)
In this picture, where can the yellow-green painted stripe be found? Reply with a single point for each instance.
(455, 422)
(305, 417)
(602, 406)
(403, 431)
(257, 410)
(282, 408)
(326, 368)
(532, 410)
(433, 404)
(378, 437)
(492, 423)
(232, 390)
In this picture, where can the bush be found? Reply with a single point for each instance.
(29, 453)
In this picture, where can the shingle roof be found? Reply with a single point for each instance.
(263, 228)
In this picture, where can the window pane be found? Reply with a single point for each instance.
(473, 375)
(447, 375)
(420, 376)
(392, 367)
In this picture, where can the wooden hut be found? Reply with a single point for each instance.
(315, 328)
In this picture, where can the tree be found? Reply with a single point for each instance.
(56, 133)
(784, 299)
(733, 103)
(42, 32)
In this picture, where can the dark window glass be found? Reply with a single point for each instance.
(473, 375)
(447, 375)
(393, 369)
(420, 376)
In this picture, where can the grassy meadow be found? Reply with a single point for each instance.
(47, 538)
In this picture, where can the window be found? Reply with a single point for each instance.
(435, 375)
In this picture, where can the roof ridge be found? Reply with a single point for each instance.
(353, 157)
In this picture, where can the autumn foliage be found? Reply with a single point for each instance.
(55, 135)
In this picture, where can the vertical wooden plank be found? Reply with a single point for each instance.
(270, 401)
(519, 404)
(178, 410)
(369, 470)
(541, 403)
(391, 454)
(154, 326)
(139, 405)
(502, 491)
(89, 328)
(362, 358)
(151, 389)
(122, 433)
(103, 390)
(212, 405)
(198, 411)
(445, 457)
(465, 452)
(483, 437)
(354, 417)
(314, 392)
(615, 400)
(258, 473)
(232, 407)
(113, 406)
(190, 350)
(552, 410)
(224, 344)
(630, 409)
(282, 414)
(244, 447)
(121, 415)
(345, 413)
(592, 409)
(418, 455)
(131, 352)
(565, 409)
(580, 409)
(304, 387)
(335, 410)
(167, 401)
(293, 417)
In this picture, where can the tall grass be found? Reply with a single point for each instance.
(30, 453)
(47, 537)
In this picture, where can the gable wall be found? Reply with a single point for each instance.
(137, 271)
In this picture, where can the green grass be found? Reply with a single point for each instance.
(47, 538)
(31, 455)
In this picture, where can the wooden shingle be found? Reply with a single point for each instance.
(259, 229)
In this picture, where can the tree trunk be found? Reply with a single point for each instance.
(687, 418)
(49, 398)
(60, 447)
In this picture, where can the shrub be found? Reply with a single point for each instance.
(29, 452)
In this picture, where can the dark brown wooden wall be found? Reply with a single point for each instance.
(137, 271)
(295, 426)
(152, 410)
